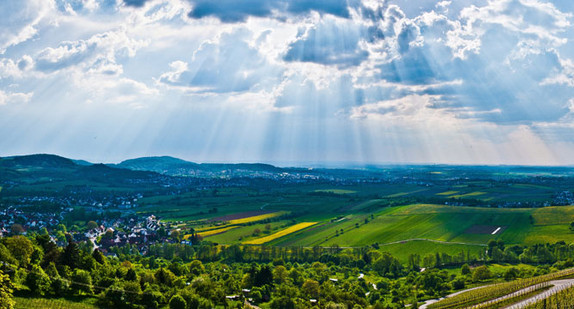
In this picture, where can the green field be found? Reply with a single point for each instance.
(363, 214)
(403, 227)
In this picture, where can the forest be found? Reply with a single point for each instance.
(207, 275)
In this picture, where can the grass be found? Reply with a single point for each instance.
(287, 231)
(52, 303)
(443, 223)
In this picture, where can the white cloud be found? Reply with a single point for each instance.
(226, 64)
(14, 97)
(19, 20)
(99, 53)
(562, 76)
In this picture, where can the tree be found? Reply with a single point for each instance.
(177, 302)
(6, 289)
(152, 298)
(21, 249)
(481, 273)
(71, 255)
(196, 267)
(99, 256)
(131, 275)
(38, 281)
(132, 291)
(91, 225)
(6, 256)
(388, 266)
(81, 281)
(311, 288)
(176, 235)
(511, 274)
(280, 274)
(16, 229)
(465, 270)
(263, 276)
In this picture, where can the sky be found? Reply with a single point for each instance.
(289, 81)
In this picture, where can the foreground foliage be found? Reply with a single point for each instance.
(207, 275)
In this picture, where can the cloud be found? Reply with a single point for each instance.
(14, 97)
(99, 53)
(114, 90)
(227, 64)
(232, 11)
(331, 42)
(19, 20)
(73, 7)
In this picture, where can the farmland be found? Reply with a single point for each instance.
(386, 224)
(448, 225)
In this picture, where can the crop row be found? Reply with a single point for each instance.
(490, 292)
(561, 300)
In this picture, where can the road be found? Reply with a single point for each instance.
(557, 286)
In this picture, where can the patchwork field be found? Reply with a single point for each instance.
(360, 215)
(409, 226)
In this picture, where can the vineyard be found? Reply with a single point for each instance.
(561, 300)
(489, 295)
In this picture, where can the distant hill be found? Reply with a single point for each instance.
(156, 164)
(40, 168)
(177, 167)
(37, 160)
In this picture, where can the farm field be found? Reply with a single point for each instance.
(443, 227)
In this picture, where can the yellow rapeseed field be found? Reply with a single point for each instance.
(287, 231)
(216, 231)
(256, 218)
(476, 193)
(448, 193)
